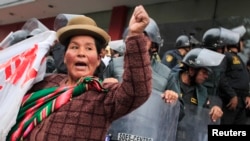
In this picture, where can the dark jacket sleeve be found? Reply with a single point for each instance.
(226, 91)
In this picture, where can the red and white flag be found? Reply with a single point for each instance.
(21, 65)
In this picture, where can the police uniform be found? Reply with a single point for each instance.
(213, 83)
(192, 94)
(196, 95)
(171, 58)
(238, 78)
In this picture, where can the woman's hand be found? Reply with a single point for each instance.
(138, 21)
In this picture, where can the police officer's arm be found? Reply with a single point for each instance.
(228, 92)
(247, 99)
(168, 60)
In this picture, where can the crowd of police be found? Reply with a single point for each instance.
(227, 83)
(227, 96)
(230, 80)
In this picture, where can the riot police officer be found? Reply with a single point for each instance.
(173, 57)
(212, 40)
(243, 51)
(188, 83)
(236, 75)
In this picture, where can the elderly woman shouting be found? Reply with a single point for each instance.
(79, 106)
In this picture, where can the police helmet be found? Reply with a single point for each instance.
(201, 58)
(182, 42)
(229, 37)
(62, 20)
(152, 31)
(212, 39)
(118, 46)
(18, 36)
(240, 29)
(34, 32)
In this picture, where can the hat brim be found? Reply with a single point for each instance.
(65, 33)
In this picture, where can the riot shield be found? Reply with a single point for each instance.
(193, 126)
(7, 41)
(33, 24)
(30, 28)
(155, 120)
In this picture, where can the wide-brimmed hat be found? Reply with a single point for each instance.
(82, 25)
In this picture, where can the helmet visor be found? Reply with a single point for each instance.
(209, 58)
(229, 37)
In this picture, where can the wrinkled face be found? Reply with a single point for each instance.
(201, 76)
(81, 57)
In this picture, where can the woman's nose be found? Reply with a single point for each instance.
(81, 52)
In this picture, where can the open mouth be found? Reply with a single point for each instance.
(80, 65)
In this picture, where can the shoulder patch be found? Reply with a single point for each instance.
(169, 58)
(181, 64)
(236, 60)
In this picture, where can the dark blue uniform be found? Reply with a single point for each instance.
(212, 85)
(171, 58)
(236, 75)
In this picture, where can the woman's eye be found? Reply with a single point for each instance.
(89, 48)
(74, 47)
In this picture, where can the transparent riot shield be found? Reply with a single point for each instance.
(7, 41)
(33, 24)
(193, 126)
(30, 28)
(155, 120)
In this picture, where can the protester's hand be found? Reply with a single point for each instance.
(138, 21)
(169, 96)
(215, 113)
(247, 101)
(233, 103)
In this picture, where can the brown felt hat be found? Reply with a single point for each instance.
(82, 25)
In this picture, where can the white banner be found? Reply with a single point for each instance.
(21, 65)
